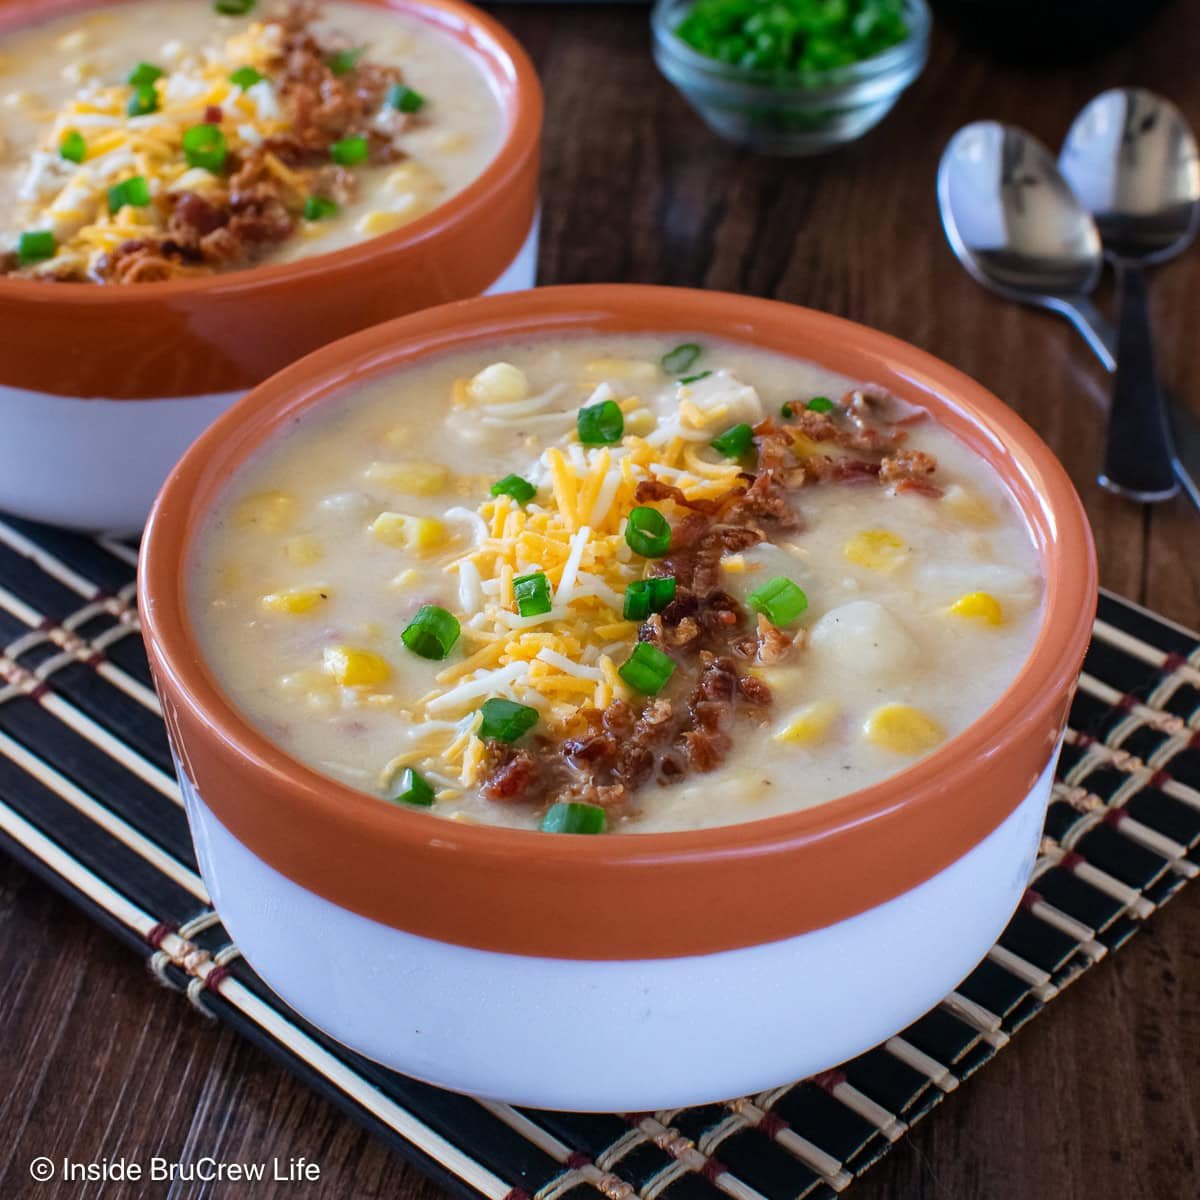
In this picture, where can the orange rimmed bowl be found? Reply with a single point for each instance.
(631, 972)
(112, 382)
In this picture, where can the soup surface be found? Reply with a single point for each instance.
(161, 138)
(621, 583)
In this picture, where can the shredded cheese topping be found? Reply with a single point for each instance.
(71, 199)
(573, 531)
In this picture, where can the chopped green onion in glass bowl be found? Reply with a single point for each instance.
(791, 77)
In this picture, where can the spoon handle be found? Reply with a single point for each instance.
(1138, 454)
(1092, 324)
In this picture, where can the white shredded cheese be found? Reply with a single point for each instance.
(470, 586)
(570, 569)
(483, 683)
(569, 666)
(458, 513)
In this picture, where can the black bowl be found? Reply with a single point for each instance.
(1046, 32)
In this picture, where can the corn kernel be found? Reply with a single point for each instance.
(621, 368)
(407, 579)
(640, 422)
(735, 564)
(411, 176)
(355, 668)
(408, 478)
(810, 724)
(501, 383)
(230, 577)
(22, 98)
(294, 601)
(876, 549)
(968, 506)
(978, 606)
(303, 550)
(409, 533)
(385, 221)
(76, 39)
(79, 71)
(272, 512)
(450, 143)
(903, 729)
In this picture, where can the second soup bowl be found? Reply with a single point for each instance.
(112, 381)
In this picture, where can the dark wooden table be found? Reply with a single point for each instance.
(1098, 1098)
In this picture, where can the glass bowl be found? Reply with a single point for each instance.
(790, 114)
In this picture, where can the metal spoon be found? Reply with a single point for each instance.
(1131, 159)
(1015, 225)
(986, 180)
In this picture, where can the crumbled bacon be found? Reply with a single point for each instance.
(192, 218)
(851, 435)
(650, 490)
(763, 501)
(910, 471)
(768, 644)
(608, 755)
(510, 772)
(136, 261)
(255, 205)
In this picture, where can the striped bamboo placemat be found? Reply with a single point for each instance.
(89, 802)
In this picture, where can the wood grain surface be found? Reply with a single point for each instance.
(1097, 1098)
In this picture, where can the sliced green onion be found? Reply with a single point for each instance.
(233, 8)
(820, 404)
(779, 600)
(792, 40)
(646, 596)
(532, 593)
(246, 77)
(72, 147)
(600, 424)
(506, 720)
(647, 669)
(679, 360)
(786, 412)
(413, 788)
(35, 245)
(144, 100)
(432, 632)
(405, 99)
(143, 74)
(573, 817)
(733, 443)
(342, 62)
(695, 378)
(521, 490)
(317, 207)
(204, 146)
(349, 151)
(134, 191)
(648, 532)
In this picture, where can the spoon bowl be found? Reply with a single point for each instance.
(1132, 160)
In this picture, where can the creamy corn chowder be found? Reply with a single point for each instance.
(614, 583)
(163, 138)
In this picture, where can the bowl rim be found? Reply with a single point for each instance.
(501, 59)
(1028, 716)
(903, 59)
